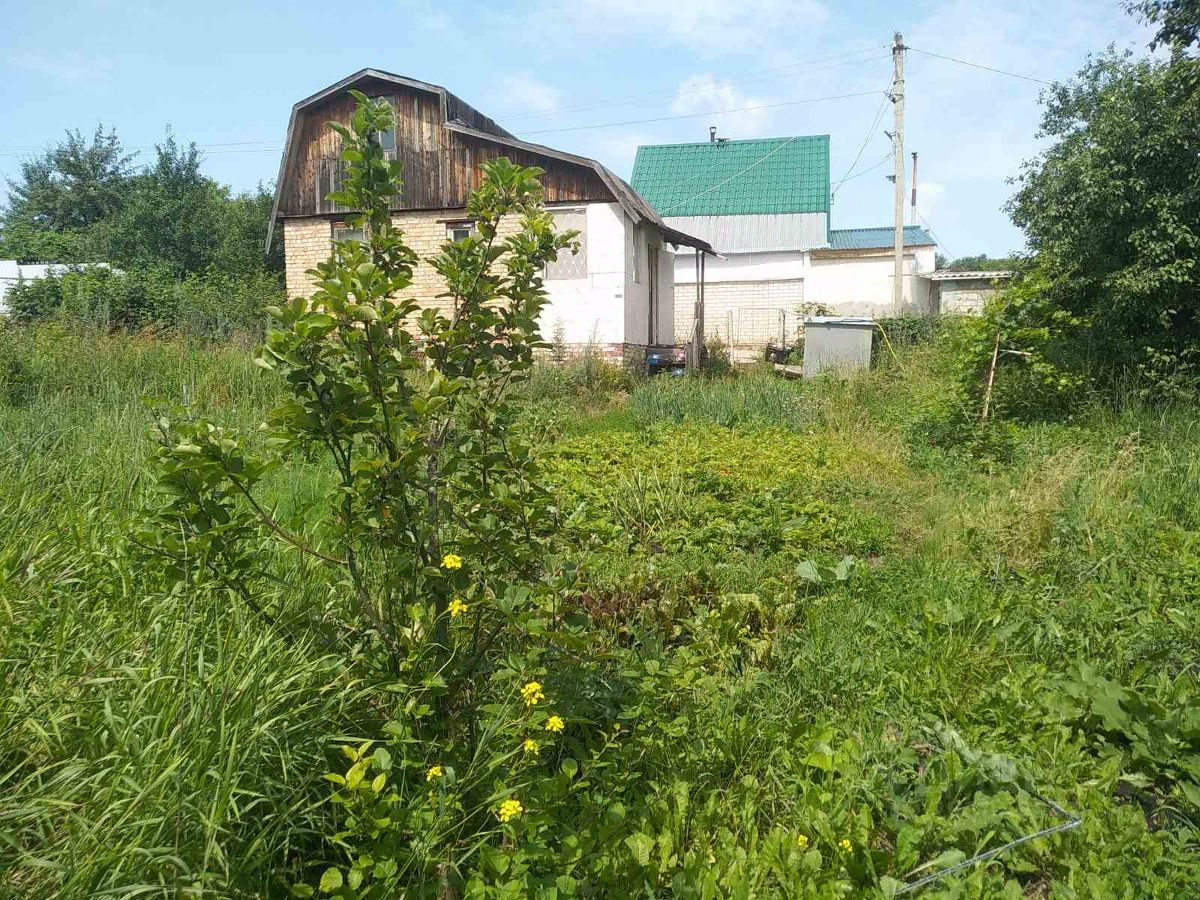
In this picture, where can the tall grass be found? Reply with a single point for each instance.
(154, 743)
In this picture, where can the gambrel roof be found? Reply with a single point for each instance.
(461, 118)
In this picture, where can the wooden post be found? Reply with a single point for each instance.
(695, 349)
(987, 391)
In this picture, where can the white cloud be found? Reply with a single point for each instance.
(709, 24)
(523, 92)
(704, 93)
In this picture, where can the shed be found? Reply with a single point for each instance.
(964, 290)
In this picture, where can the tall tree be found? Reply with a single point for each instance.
(72, 185)
(1178, 21)
(1112, 208)
(173, 218)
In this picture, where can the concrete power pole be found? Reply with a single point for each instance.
(898, 154)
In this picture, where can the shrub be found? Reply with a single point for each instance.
(433, 536)
(214, 305)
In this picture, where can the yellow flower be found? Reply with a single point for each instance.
(531, 746)
(845, 844)
(802, 841)
(434, 772)
(509, 809)
(555, 724)
(532, 693)
(457, 608)
(452, 561)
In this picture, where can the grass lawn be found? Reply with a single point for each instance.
(868, 659)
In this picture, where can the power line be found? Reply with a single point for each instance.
(760, 75)
(975, 65)
(716, 112)
(842, 181)
(866, 140)
(933, 233)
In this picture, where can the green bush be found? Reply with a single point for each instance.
(214, 305)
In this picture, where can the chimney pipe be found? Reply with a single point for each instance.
(712, 134)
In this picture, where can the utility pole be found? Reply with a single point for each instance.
(914, 189)
(898, 154)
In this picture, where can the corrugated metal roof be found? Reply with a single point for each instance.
(765, 176)
(877, 238)
(756, 233)
(967, 274)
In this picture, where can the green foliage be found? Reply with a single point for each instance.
(192, 250)
(433, 528)
(910, 709)
(213, 305)
(1110, 210)
(1178, 21)
(983, 263)
(72, 186)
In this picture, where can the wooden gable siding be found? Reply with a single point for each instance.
(440, 167)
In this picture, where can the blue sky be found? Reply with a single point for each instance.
(224, 74)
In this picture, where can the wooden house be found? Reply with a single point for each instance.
(618, 291)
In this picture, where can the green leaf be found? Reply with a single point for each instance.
(331, 880)
(641, 845)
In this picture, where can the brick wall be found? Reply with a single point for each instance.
(309, 241)
(742, 313)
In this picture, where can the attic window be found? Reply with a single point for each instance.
(386, 137)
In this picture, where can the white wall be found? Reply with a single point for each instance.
(612, 304)
(850, 285)
(639, 240)
(862, 285)
(593, 308)
(785, 264)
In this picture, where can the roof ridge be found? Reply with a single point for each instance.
(877, 228)
(727, 141)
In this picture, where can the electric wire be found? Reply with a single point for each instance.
(975, 65)
(716, 112)
(862, 149)
(933, 233)
(866, 171)
(757, 73)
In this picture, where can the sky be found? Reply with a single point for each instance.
(225, 73)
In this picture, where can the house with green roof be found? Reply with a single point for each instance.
(764, 205)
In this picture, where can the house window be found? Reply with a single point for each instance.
(386, 137)
(346, 233)
(568, 265)
(459, 231)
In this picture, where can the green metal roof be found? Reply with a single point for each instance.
(875, 238)
(725, 178)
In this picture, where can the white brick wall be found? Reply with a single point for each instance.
(750, 313)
